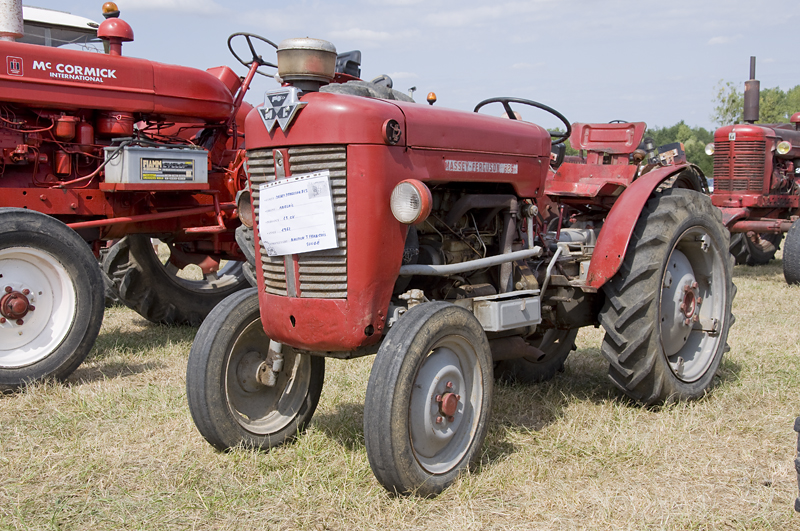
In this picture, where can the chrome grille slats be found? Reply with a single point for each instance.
(322, 274)
(747, 173)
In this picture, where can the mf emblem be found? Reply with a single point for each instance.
(280, 106)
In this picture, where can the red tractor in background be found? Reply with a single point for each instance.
(97, 148)
(417, 232)
(756, 185)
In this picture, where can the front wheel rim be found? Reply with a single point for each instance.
(693, 303)
(257, 408)
(31, 336)
(445, 405)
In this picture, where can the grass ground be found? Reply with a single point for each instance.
(115, 447)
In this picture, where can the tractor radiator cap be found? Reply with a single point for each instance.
(306, 59)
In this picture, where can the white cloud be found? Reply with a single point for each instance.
(192, 7)
(358, 34)
(403, 75)
(723, 39)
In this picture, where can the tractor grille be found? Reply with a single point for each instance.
(322, 274)
(746, 172)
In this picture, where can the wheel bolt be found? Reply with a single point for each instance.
(2, 320)
(694, 285)
(458, 397)
(450, 419)
(699, 300)
(438, 420)
(20, 321)
(31, 308)
(26, 291)
(687, 321)
(439, 398)
(449, 385)
(9, 289)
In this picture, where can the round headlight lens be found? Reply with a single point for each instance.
(710, 149)
(410, 202)
(244, 208)
(783, 147)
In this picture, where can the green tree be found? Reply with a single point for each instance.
(775, 105)
(694, 141)
(730, 104)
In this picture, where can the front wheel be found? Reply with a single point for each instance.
(428, 399)
(791, 255)
(228, 401)
(668, 309)
(754, 249)
(51, 298)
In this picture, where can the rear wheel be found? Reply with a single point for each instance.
(428, 399)
(791, 255)
(754, 249)
(668, 309)
(227, 399)
(158, 292)
(51, 298)
(556, 346)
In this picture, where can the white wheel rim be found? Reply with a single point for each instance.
(52, 293)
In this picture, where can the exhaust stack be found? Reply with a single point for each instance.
(752, 89)
(11, 24)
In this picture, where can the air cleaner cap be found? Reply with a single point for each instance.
(306, 59)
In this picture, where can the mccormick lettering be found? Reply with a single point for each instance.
(76, 72)
(471, 166)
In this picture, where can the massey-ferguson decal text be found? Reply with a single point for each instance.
(75, 72)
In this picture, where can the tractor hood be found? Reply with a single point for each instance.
(53, 78)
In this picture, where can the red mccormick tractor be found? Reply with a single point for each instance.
(100, 147)
(416, 232)
(756, 185)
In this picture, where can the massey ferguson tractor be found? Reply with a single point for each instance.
(756, 185)
(98, 148)
(419, 233)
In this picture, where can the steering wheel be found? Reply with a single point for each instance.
(256, 58)
(557, 138)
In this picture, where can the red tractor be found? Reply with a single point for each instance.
(98, 148)
(418, 233)
(756, 185)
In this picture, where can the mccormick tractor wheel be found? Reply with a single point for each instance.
(51, 300)
(754, 249)
(666, 310)
(428, 399)
(156, 291)
(227, 399)
(556, 345)
(791, 255)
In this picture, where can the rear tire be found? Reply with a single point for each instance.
(668, 309)
(556, 345)
(420, 432)
(155, 291)
(228, 404)
(791, 255)
(754, 249)
(51, 297)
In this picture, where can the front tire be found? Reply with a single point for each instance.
(754, 249)
(791, 255)
(227, 402)
(51, 298)
(668, 309)
(428, 399)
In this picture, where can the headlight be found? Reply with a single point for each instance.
(244, 208)
(710, 149)
(783, 147)
(411, 202)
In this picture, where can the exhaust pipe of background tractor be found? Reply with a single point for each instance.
(752, 88)
(11, 25)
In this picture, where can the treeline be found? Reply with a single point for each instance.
(694, 141)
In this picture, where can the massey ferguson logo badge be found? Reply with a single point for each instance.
(280, 106)
(14, 66)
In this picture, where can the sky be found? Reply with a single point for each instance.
(592, 60)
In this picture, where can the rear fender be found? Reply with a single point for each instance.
(620, 222)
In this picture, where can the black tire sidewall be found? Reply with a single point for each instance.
(25, 228)
(206, 376)
(791, 255)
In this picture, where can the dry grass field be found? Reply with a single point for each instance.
(115, 447)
